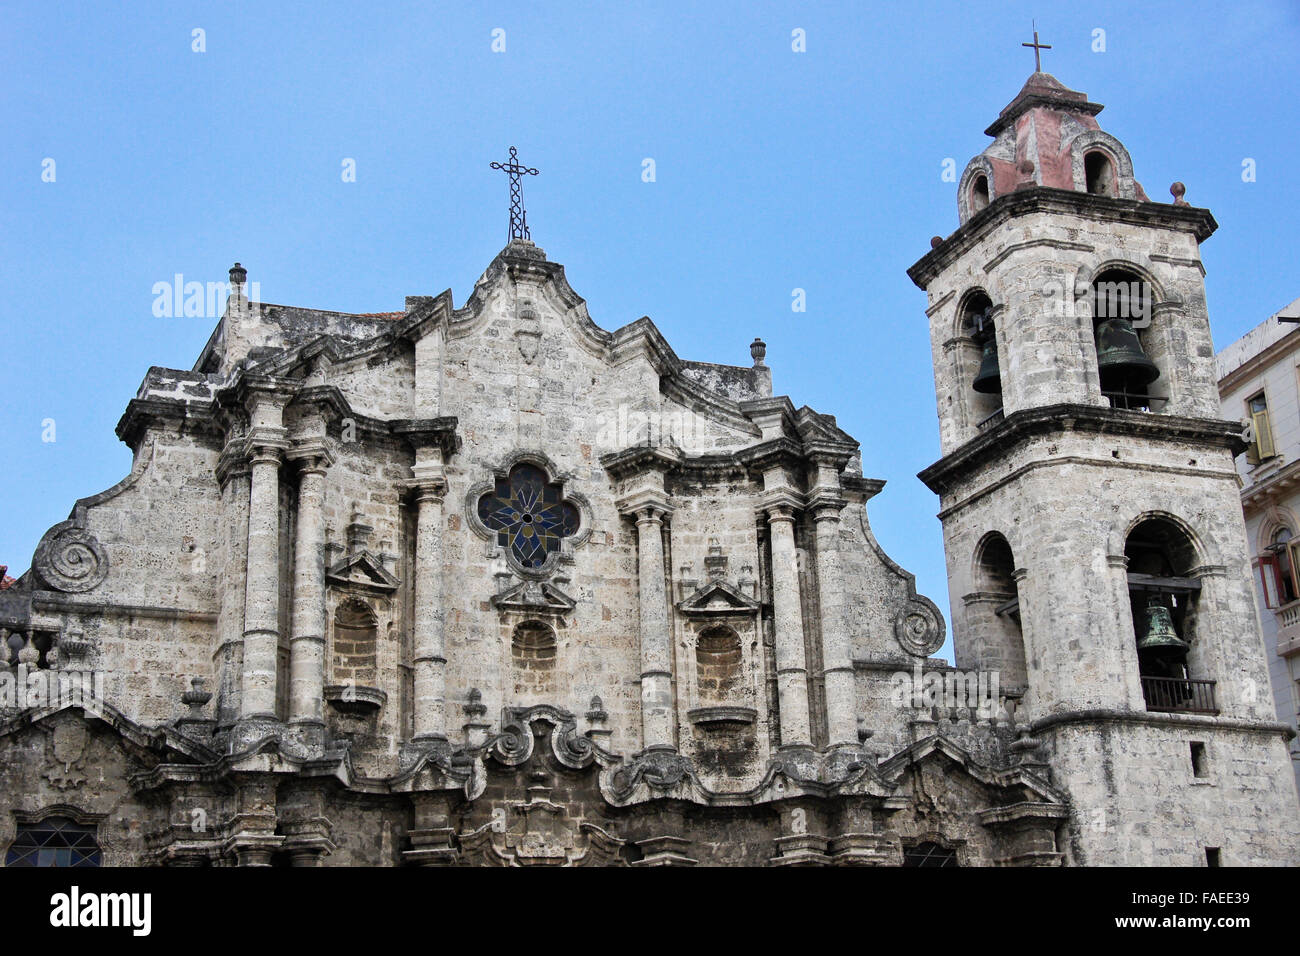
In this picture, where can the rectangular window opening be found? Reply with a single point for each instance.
(1212, 856)
(1199, 765)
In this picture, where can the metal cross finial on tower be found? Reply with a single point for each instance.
(1038, 65)
(518, 218)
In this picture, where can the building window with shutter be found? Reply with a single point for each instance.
(1261, 433)
(1285, 559)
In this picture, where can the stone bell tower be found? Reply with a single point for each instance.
(1094, 537)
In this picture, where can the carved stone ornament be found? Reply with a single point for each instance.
(70, 558)
(68, 742)
(919, 627)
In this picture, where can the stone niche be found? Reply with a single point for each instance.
(721, 674)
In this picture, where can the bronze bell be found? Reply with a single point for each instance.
(1160, 638)
(988, 379)
(1120, 358)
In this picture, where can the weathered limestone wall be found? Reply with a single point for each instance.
(1139, 804)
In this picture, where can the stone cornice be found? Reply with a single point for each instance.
(194, 418)
(1025, 102)
(941, 475)
(427, 432)
(860, 490)
(1259, 494)
(775, 453)
(639, 459)
(1044, 199)
(1262, 727)
(837, 453)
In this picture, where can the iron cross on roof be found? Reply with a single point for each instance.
(518, 217)
(1038, 65)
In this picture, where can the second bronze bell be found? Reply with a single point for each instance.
(1159, 639)
(988, 379)
(1120, 357)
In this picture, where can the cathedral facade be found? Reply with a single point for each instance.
(492, 585)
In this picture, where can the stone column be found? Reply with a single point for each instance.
(656, 640)
(307, 644)
(791, 664)
(262, 590)
(837, 656)
(430, 658)
(228, 658)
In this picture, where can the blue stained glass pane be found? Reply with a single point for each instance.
(528, 515)
(55, 841)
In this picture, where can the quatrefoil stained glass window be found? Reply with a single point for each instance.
(528, 514)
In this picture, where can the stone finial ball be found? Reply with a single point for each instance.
(1177, 190)
(936, 242)
(1026, 166)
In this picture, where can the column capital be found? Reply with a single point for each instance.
(650, 515)
(645, 500)
(312, 456)
(264, 447)
(779, 511)
(426, 489)
(780, 504)
(826, 506)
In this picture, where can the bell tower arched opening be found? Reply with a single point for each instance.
(982, 355)
(1163, 597)
(1121, 310)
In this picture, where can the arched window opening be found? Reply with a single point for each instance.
(994, 620)
(1121, 307)
(54, 841)
(977, 326)
(356, 632)
(929, 854)
(1099, 173)
(1163, 598)
(1280, 561)
(718, 664)
(533, 650)
(979, 194)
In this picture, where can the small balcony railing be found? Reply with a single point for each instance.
(1135, 401)
(1179, 695)
(990, 420)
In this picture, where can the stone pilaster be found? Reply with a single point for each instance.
(791, 662)
(307, 643)
(837, 657)
(433, 441)
(262, 591)
(228, 657)
(639, 473)
(656, 639)
(430, 657)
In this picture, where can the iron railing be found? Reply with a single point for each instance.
(990, 420)
(1179, 695)
(1134, 401)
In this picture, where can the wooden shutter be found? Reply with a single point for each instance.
(1268, 580)
(1263, 435)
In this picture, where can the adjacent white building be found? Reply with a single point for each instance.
(1259, 382)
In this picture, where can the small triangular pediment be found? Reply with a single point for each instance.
(718, 597)
(362, 570)
(535, 597)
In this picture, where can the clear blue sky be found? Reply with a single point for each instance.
(775, 170)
